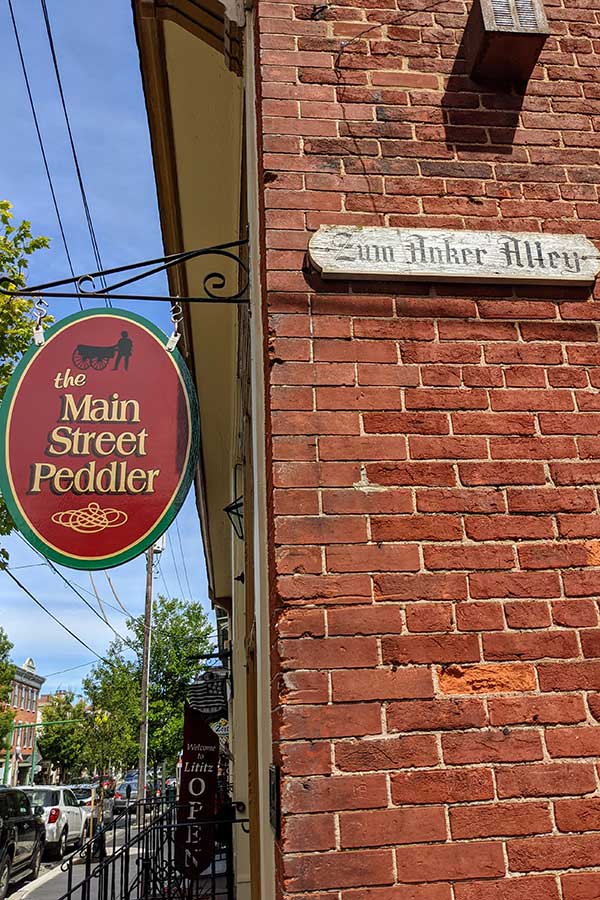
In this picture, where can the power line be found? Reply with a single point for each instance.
(52, 616)
(170, 543)
(41, 142)
(84, 200)
(70, 669)
(185, 572)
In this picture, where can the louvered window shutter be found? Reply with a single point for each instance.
(504, 37)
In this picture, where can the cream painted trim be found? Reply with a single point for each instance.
(261, 538)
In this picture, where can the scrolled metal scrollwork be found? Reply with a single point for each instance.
(214, 284)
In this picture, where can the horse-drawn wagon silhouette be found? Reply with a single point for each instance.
(86, 356)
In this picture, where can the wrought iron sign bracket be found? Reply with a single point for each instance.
(215, 284)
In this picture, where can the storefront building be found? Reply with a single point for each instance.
(24, 701)
(412, 604)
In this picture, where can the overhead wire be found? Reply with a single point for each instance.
(41, 142)
(82, 190)
(70, 669)
(52, 616)
(170, 543)
(185, 572)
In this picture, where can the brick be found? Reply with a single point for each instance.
(338, 870)
(399, 892)
(565, 852)
(411, 473)
(325, 588)
(394, 500)
(333, 793)
(461, 500)
(500, 474)
(416, 528)
(535, 888)
(499, 527)
(527, 614)
(372, 558)
(551, 500)
(475, 616)
(485, 585)
(392, 826)
(382, 684)
(573, 742)
(491, 746)
(302, 833)
(489, 423)
(341, 720)
(379, 619)
(301, 623)
(329, 652)
(429, 649)
(545, 710)
(569, 676)
(389, 753)
(406, 423)
(574, 613)
(305, 758)
(489, 556)
(420, 587)
(304, 687)
(584, 886)
(582, 583)
(577, 815)
(435, 715)
(447, 447)
(538, 645)
(533, 448)
(442, 786)
(487, 678)
(495, 820)
(450, 862)
(552, 555)
(363, 448)
(298, 560)
(554, 779)
(429, 617)
(320, 529)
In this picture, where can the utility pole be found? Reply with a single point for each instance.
(143, 759)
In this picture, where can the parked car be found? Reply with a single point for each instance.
(63, 817)
(83, 793)
(22, 837)
(121, 800)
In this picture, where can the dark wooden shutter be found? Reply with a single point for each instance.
(504, 38)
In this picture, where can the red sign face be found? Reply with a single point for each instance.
(99, 439)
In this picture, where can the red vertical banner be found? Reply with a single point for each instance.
(195, 841)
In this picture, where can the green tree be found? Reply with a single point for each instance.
(63, 745)
(7, 671)
(113, 691)
(179, 630)
(16, 323)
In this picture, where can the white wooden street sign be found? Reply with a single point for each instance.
(435, 254)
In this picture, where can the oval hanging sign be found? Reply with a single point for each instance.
(99, 439)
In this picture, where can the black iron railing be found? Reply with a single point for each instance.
(127, 861)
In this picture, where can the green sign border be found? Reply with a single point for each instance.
(116, 559)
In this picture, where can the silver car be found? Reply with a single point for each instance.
(63, 817)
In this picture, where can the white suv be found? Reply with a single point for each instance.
(63, 817)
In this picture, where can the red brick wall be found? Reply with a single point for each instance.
(435, 456)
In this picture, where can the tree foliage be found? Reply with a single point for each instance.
(179, 630)
(16, 322)
(63, 745)
(7, 671)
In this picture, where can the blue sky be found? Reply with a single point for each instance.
(99, 65)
